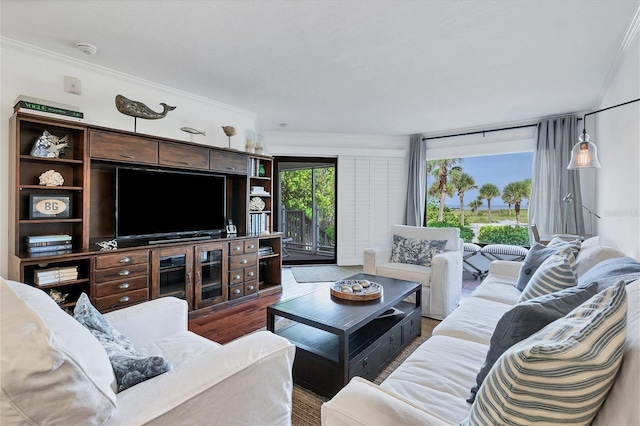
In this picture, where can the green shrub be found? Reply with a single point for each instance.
(514, 235)
(448, 214)
(466, 233)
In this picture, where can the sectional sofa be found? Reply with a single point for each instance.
(433, 385)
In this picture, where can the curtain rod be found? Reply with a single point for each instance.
(480, 132)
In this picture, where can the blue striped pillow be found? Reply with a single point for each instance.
(561, 374)
(556, 273)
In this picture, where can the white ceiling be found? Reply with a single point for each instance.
(371, 67)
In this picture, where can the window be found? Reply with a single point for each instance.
(486, 196)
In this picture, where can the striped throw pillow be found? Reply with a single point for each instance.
(556, 273)
(559, 243)
(561, 374)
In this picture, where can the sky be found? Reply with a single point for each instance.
(496, 169)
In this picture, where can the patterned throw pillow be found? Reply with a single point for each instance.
(527, 318)
(556, 273)
(561, 374)
(129, 365)
(532, 261)
(416, 252)
(559, 243)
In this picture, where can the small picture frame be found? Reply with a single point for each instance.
(45, 206)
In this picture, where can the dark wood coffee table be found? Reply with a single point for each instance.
(338, 339)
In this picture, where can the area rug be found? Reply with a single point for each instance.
(306, 404)
(314, 274)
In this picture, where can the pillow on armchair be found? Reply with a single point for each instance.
(414, 251)
(130, 366)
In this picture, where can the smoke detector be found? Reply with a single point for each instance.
(87, 49)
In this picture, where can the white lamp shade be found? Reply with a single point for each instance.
(584, 154)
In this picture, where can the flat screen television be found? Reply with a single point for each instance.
(158, 203)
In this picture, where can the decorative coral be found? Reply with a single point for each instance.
(256, 204)
(51, 178)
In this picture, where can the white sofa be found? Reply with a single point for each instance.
(431, 386)
(441, 282)
(55, 372)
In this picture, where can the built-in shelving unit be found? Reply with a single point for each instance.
(197, 271)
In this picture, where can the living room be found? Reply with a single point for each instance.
(594, 64)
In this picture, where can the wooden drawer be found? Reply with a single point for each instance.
(390, 343)
(250, 287)
(235, 248)
(104, 275)
(229, 162)
(193, 157)
(236, 277)
(251, 246)
(235, 291)
(411, 327)
(113, 146)
(251, 273)
(122, 258)
(366, 364)
(121, 286)
(243, 261)
(121, 300)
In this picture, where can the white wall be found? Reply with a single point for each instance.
(617, 137)
(371, 183)
(30, 71)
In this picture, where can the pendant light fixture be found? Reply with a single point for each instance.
(584, 154)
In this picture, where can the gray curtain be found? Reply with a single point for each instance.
(417, 186)
(552, 181)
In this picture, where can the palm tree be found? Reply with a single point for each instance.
(489, 191)
(475, 204)
(519, 191)
(507, 199)
(462, 182)
(441, 169)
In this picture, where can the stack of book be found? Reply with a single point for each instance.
(47, 108)
(259, 223)
(265, 250)
(49, 244)
(55, 275)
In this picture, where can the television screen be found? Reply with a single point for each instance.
(152, 203)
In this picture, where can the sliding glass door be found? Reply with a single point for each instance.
(305, 191)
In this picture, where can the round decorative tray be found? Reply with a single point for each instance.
(358, 290)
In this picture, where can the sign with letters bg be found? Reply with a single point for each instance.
(49, 206)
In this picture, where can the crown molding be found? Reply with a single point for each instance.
(29, 49)
(627, 41)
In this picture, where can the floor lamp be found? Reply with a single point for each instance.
(569, 198)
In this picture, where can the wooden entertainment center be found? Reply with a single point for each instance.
(218, 275)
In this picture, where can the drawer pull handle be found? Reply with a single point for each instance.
(124, 299)
(236, 248)
(251, 246)
(128, 156)
(251, 274)
(230, 168)
(250, 287)
(237, 277)
(243, 261)
(236, 291)
(125, 259)
(124, 273)
(365, 362)
(124, 285)
(188, 163)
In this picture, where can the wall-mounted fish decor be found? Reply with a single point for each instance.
(139, 110)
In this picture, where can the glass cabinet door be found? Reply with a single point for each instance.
(172, 274)
(210, 285)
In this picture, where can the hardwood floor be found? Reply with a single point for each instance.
(229, 324)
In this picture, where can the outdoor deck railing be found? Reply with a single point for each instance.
(300, 233)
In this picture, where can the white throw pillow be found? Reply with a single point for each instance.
(591, 256)
(53, 370)
(561, 374)
(556, 273)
